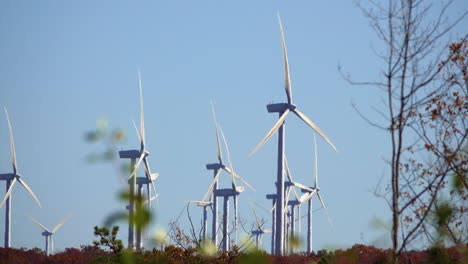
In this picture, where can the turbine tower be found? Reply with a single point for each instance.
(217, 168)
(141, 155)
(11, 179)
(234, 191)
(284, 109)
(272, 197)
(297, 202)
(310, 194)
(49, 234)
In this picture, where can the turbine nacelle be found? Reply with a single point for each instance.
(228, 192)
(129, 154)
(316, 189)
(133, 154)
(8, 176)
(201, 203)
(215, 166)
(45, 233)
(280, 107)
(260, 232)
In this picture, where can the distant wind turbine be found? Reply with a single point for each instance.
(141, 155)
(258, 233)
(204, 205)
(284, 109)
(234, 191)
(316, 190)
(11, 179)
(49, 234)
(217, 168)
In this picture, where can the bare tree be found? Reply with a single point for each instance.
(413, 33)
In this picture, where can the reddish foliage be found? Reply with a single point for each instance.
(357, 254)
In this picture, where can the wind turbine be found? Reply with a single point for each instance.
(141, 155)
(284, 109)
(316, 190)
(49, 234)
(140, 181)
(11, 179)
(226, 193)
(291, 185)
(204, 205)
(259, 231)
(217, 168)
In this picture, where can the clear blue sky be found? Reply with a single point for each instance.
(65, 64)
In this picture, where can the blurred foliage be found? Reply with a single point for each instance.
(177, 255)
(109, 139)
(141, 216)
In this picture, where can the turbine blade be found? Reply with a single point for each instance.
(314, 127)
(12, 144)
(200, 203)
(273, 208)
(271, 132)
(302, 186)
(40, 225)
(154, 176)
(136, 129)
(256, 218)
(287, 78)
(316, 163)
(148, 201)
(267, 231)
(231, 170)
(310, 195)
(218, 143)
(61, 223)
(142, 115)
(288, 193)
(8, 193)
(261, 207)
(149, 175)
(303, 198)
(286, 167)
(151, 199)
(29, 190)
(210, 189)
(324, 207)
(140, 159)
(239, 177)
(288, 173)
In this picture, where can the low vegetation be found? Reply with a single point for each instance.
(172, 254)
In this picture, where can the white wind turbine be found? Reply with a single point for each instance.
(48, 234)
(204, 205)
(284, 109)
(141, 155)
(226, 193)
(258, 233)
(217, 168)
(212, 190)
(11, 179)
(316, 190)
